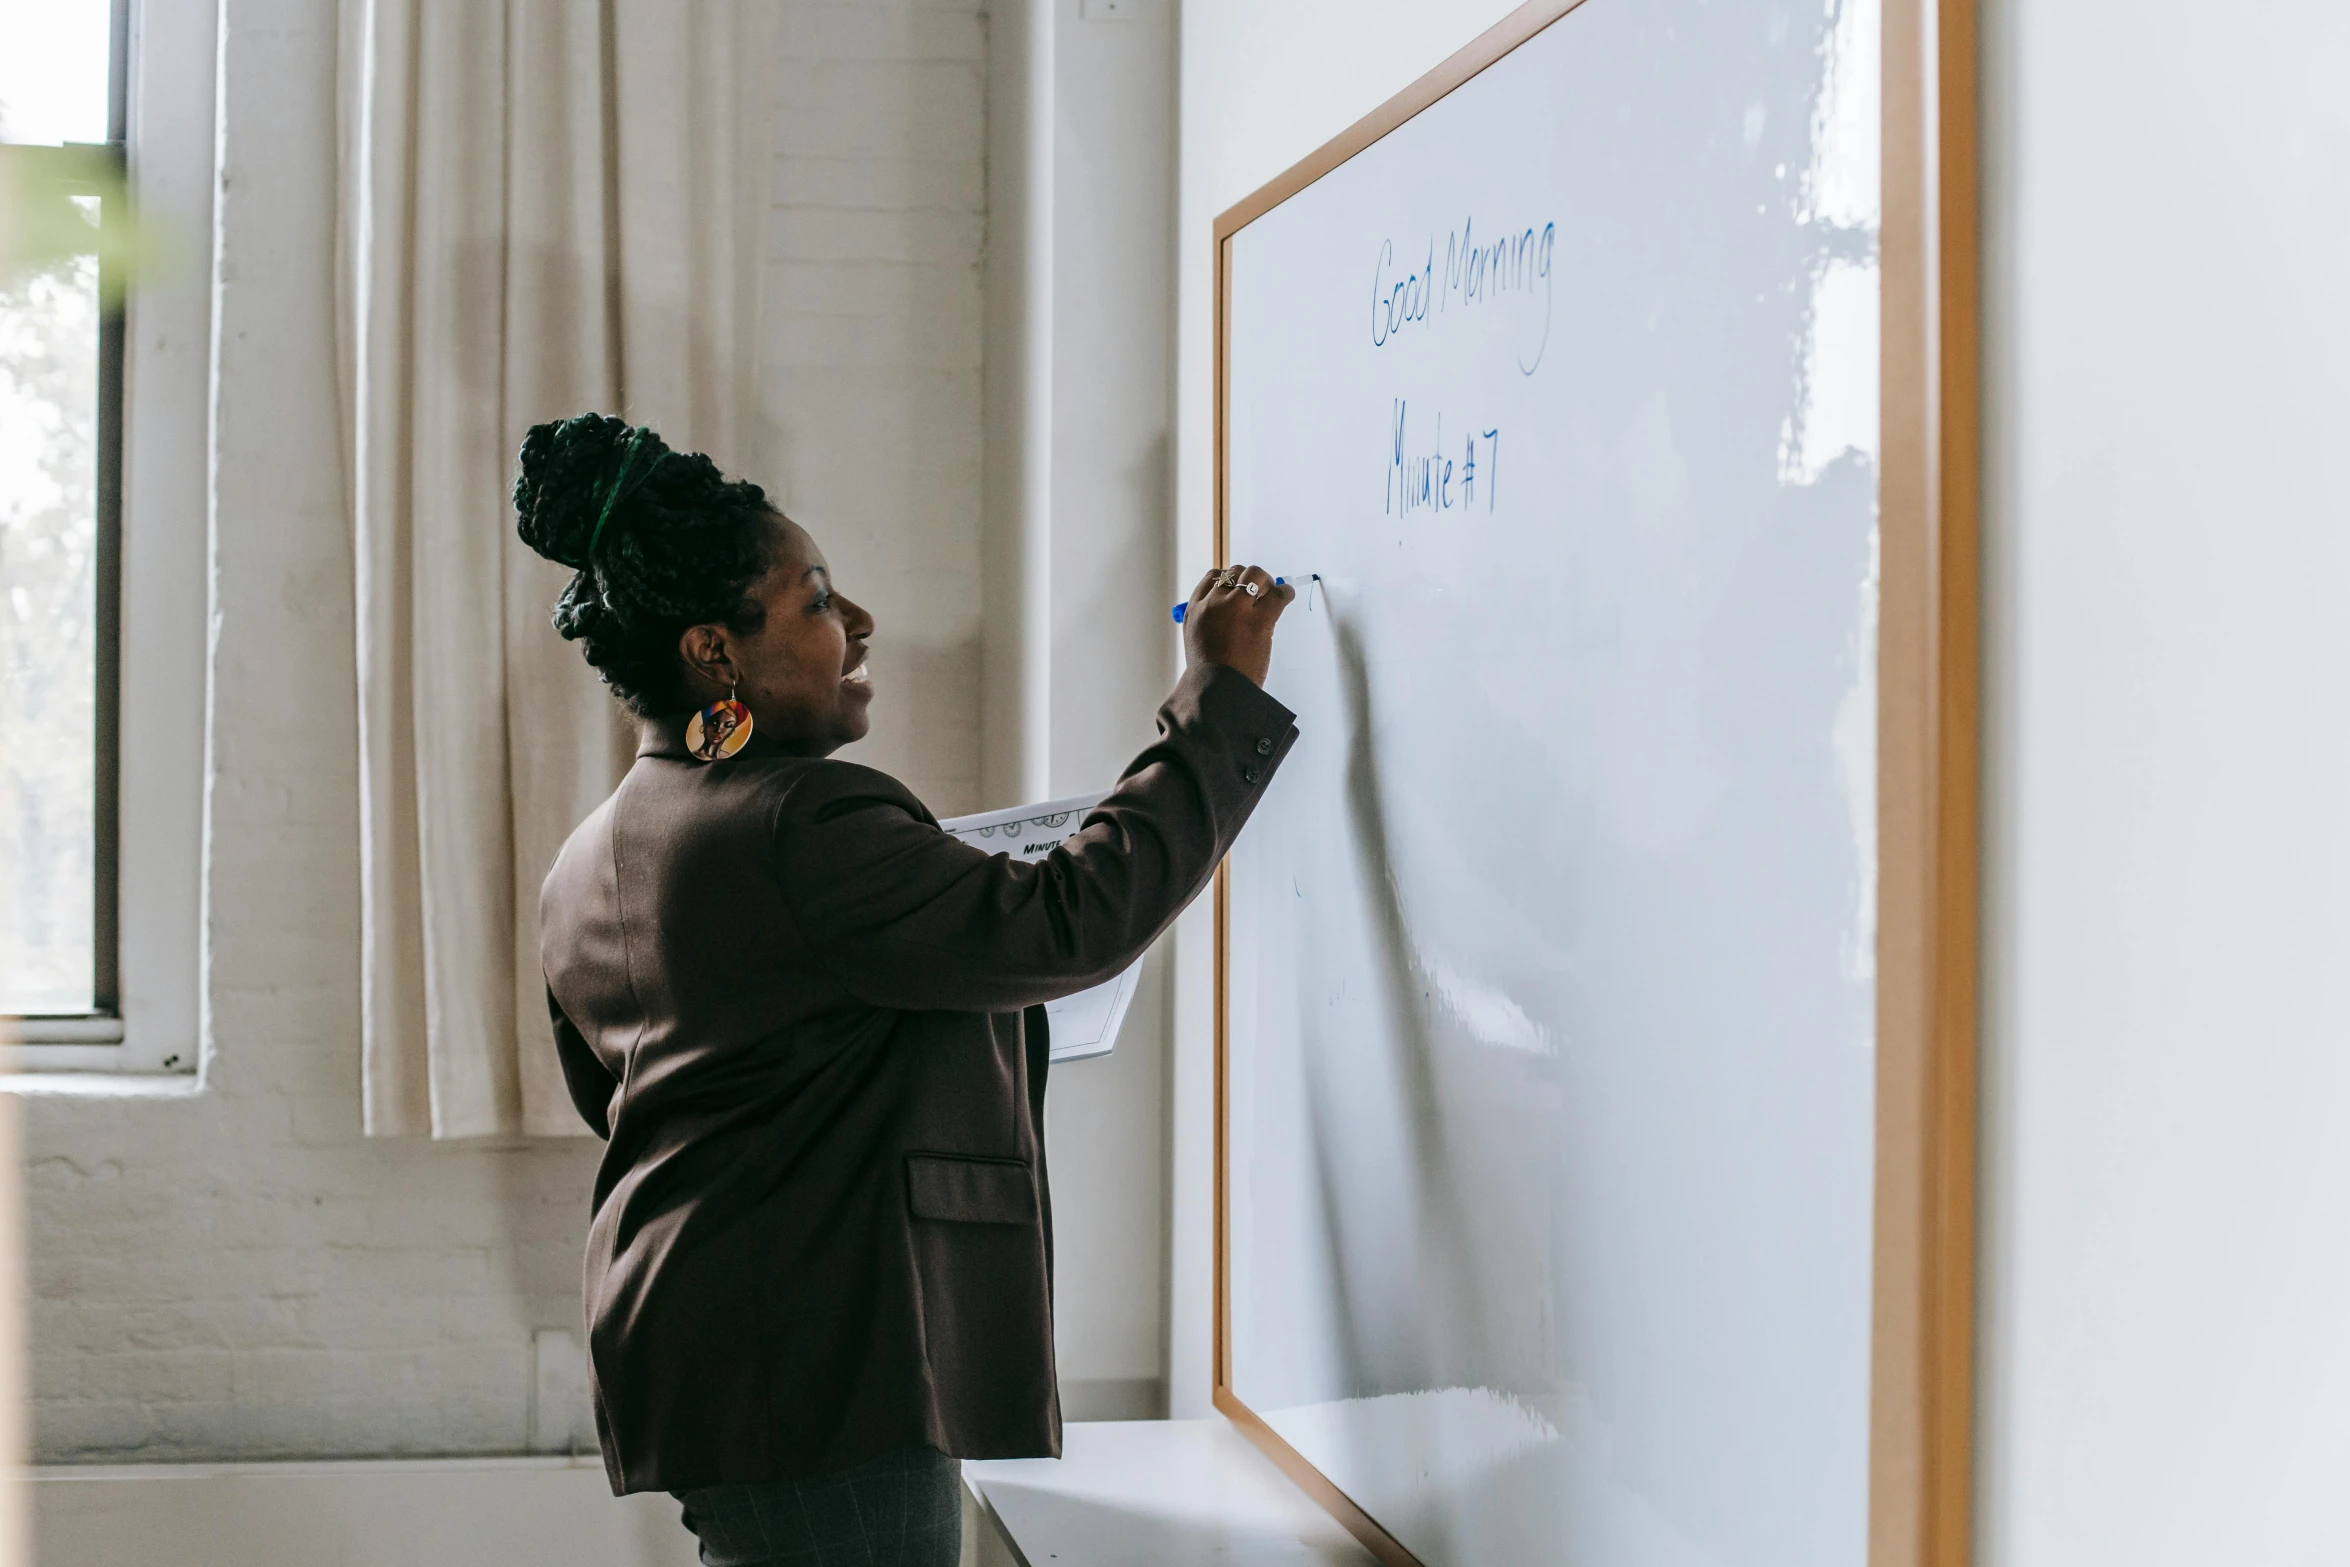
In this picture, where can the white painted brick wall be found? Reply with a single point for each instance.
(239, 1274)
(872, 362)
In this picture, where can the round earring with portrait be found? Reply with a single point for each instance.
(719, 730)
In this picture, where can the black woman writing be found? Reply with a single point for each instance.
(809, 1024)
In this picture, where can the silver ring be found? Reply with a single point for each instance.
(1253, 589)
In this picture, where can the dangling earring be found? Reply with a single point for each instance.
(719, 730)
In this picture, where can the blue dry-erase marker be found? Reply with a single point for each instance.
(1279, 582)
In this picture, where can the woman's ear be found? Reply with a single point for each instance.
(703, 648)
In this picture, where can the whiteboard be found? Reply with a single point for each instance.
(1549, 957)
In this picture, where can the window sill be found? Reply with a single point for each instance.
(100, 1085)
(78, 1051)
(61, 1031)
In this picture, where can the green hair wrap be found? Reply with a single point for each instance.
(620, 486)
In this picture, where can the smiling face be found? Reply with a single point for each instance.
(801, 671)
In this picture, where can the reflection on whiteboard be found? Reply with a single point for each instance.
(1549, 1077)
(1086, 1024)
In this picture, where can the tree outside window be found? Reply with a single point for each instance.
(61, 163)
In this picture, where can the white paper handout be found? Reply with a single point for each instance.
(1085, 1024)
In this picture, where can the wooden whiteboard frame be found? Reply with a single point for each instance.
(1921, 1377)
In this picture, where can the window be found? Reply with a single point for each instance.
(103, 415)
(62, 111)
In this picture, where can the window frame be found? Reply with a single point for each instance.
(152, 498)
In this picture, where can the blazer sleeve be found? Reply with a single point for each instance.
(590, 1081)
(905, 916)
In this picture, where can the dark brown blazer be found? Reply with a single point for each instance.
(795, 1008)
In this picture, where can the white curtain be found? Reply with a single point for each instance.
(548, 206)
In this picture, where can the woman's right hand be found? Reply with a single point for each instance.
(1230, 620)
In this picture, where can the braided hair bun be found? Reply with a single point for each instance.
(658, 541)
(566, 468)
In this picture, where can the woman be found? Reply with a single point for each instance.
(809, 1023)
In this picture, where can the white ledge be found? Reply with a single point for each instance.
(1158, 1493)
(77, 1030)
(102, 1085)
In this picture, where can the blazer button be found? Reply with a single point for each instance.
(1264, 748)
(1251, 773)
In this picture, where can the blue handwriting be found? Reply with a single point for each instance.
(1518, 264)
(1431, 479)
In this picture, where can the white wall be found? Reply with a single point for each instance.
(461, 1512)
(871, 386)
(1114, 652)
(2166, 1257)
(237, 1273)
(446, 1512)
(1077, 652)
